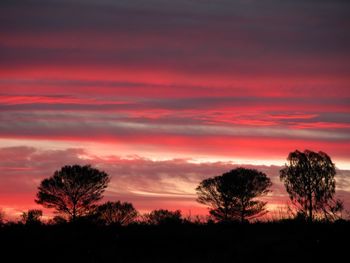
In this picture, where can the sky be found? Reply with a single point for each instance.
(162, 94)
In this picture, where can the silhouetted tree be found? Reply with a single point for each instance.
(231, 196)
(73, 190)
(57, 220)
(2, 217)
(309, 180)
(117, 213)
(163, 216)
(333, 209)
(32, 216)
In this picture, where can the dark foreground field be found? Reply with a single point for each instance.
(273, 242)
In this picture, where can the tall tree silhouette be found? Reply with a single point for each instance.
(309, 180)
(117, 213)
(231, 196)
(73, 190)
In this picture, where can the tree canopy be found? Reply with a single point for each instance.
(309, 180)
(73, 190)
(117, 213)
(164, 216)
(2, 216)
(232, 196)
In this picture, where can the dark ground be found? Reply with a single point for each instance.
(265, 242)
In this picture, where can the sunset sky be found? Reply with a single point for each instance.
(162, 93)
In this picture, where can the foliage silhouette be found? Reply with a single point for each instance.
(309, 180)
(2, 217)
(164, 217)
(116, 213)
(73, 190)
(32, 216)
(231, 196)
(57, 220)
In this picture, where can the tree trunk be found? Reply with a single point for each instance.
(242, 211)
(226, 214)
(310, 208)
(309, 190)
(74, 213)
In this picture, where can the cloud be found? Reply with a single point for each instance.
(44, 118)
(215, 134)
(193, 37)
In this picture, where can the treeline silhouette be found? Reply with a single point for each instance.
(74, 193)
(86, 230)
(309, 177)
(84, 241)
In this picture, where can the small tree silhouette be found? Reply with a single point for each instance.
(231, 196)
(32, 216)
(117, 213)
(163, 216)
(73, 190)
(2, 217)
(309, 180)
